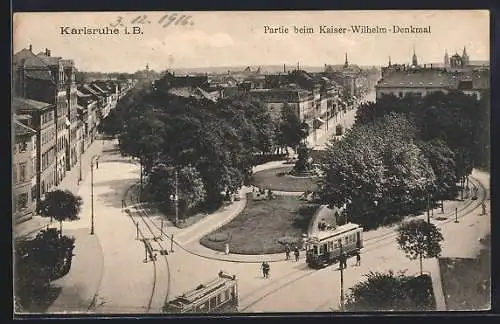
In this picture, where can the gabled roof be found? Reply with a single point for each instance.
(90, 90)
(28, 104)
(81, 94)
(21, 56)
(20, 129)
(49, 60)
(99, 89)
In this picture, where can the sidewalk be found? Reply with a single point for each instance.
(79, 286)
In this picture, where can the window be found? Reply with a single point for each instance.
(23, 146)
(22, 172)
(33, 193)
(213, 302)
(22, 201)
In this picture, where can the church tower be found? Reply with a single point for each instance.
(414, 61)
(446, 58)
(465, 58)
(346, 63)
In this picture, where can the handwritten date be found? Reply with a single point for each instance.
(166, 20)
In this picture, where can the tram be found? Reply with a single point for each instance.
(218, 295)
(326, 246)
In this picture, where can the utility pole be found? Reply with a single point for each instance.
(80, 175)
(456, 215)
(176, 198)
(341, 279)
(92, 193)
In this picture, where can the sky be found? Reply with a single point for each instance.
(239, 39)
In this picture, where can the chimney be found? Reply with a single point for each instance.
(31, 48)
(47, 52)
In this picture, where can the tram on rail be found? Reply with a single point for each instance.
(325, 247)
(218, 295)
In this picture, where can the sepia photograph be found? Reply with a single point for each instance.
(249, 162)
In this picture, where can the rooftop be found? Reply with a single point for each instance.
(49, 60)
(430, 78)
(336, 231)
(28, 104)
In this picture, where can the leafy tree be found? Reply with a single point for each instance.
(419, 239)
(62, 205)
(442, 161)
(293, 131)
(191, 190)
(376, 172)
(391, 292)
(112, 124)
(379, 292)
(40, 260)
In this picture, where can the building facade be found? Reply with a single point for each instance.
(72, 112)
(24, 171)
(42, 121)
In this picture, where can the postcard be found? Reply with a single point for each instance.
(251, 162)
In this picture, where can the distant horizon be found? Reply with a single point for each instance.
(254, 67)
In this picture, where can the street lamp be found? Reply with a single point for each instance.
(341, 278)
(80, 174)
(92, 193)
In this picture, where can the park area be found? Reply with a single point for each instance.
(265, 226)
(466, 281)
(278, 179)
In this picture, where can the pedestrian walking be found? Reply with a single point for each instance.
(265, 269)
(97, 163)
(483, 206)
(296, 253)
(467, 192)
(287, 252)
(227, 249)
(358, 258)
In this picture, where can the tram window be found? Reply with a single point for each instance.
(203, 307)
(315, 249)
(227, 294)
(330, 246)
(213, 302)
(219, 298)
(346, 239)
(336, 246)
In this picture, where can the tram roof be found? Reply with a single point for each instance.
(202, 290)
(322, 235)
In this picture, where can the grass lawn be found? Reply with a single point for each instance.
(466, 282)
(261, 228)
(272, 178)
